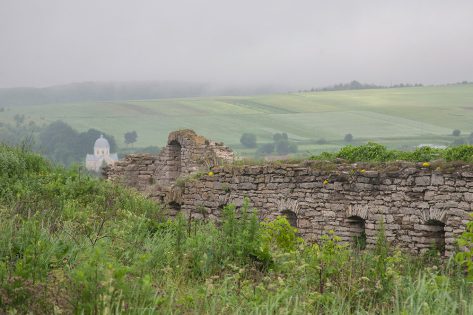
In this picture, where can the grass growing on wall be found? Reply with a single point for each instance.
(73, 244)
(374, 152)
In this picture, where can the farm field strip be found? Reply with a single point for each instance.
(395, 116)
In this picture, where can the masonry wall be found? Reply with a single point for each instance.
(185, 153)
(420, 208)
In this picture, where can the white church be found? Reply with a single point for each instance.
(101, 156)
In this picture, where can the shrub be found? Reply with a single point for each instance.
(459, 153)
(456, 133)
(465, 256)
(348, 137)
(366, 153)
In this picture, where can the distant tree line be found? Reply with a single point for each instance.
(99, 91)
(355, 85)
(58, 141)
(280, 145)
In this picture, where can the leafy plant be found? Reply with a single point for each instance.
(465, 256)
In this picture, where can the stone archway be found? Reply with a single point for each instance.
(431, 231)
(433, 236)
(356, 231)
(291, 217)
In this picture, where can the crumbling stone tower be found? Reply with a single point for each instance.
(156, 175)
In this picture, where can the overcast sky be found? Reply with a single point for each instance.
(295, 44)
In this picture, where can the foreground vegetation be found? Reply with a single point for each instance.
(73, 244)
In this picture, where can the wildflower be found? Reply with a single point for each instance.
(325, 182)
(363, 170)
(426, 164)
(211, 174)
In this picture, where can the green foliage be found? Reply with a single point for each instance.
(459, 153)
(374, 152)
(248, 140)
(280, 235)
(327, 259)
(465, 256)
(368, 152)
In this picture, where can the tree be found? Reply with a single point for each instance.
(58, 142)
(456, 133)
(280, 137)
(285, 147)
(348, 137)
(470, 138)
(248, 140)
(266, 148)
(130, 137)
(62, 144)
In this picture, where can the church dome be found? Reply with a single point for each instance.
(101, 143)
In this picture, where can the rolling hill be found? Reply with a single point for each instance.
(396, 117)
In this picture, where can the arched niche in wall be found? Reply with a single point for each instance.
(291, 217)
(434, 235)
(174, 161)
(356, 231)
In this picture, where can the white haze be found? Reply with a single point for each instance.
(289, 44)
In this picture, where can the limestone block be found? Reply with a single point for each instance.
(422, 180)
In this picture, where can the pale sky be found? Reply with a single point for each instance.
(293, 44)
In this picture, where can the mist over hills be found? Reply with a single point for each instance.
(98, 91)
(148, 90)
(119, 91)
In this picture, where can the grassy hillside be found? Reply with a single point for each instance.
(70, 244)
(396, 117)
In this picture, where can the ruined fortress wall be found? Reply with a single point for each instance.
(418, 207)
(185, 153)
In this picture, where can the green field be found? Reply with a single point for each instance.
(396, 117)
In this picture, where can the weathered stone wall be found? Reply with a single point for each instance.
(184, 154)
(418, 207)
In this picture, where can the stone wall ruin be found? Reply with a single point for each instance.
(419, 207)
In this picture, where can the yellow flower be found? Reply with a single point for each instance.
(426, 164)
(362, 171)
(325, 182)
(211, 173)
